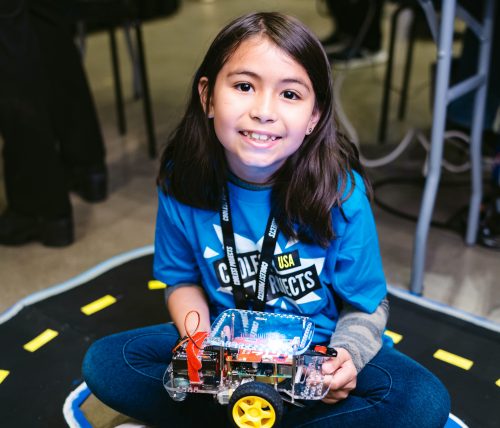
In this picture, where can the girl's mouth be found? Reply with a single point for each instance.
(259, 137)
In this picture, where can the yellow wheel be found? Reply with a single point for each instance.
(255, 405)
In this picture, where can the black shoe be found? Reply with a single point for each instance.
(16, 229)
(90, 183)
(489, 228)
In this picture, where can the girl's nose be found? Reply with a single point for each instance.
(264, 108)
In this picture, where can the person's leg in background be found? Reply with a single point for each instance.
(34, 127)
(75, 120)
(38, 202)
(358, 28)
(345, 20)
(372, 40)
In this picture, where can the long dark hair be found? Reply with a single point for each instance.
(311, 182)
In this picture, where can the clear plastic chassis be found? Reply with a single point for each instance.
(245, 346)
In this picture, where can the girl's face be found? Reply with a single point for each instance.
(262, 106)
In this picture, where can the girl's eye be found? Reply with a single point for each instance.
(244, 87)
(290, 95)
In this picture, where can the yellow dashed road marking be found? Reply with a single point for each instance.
(453, 359)
(98, 305)
(156, 285)
(396, 338)
(3, 375)
(40, 340)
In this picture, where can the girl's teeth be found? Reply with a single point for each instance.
(256, 136)
(260, 137)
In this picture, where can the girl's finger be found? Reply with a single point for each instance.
(327, 400)
(341, 378)
(335, 396)
(330, 366)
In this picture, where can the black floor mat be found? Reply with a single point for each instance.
(33, 393)
(474, 392)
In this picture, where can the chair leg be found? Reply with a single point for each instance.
(403, 101)
(146, 98)
(382, 127)
(436, 150)
(120, 110)
(483, 67)
(136, 82)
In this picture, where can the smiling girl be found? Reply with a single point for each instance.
(263, 205)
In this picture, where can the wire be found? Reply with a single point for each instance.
(409, 137)
(453, 222)
(195, 329)
(448, 135)
(412, 134)
(344, 121)
(188, 334)
(179, 344)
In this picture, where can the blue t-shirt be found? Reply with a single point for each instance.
(305, 280)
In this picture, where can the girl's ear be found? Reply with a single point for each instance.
(203, 92)
(313, 121)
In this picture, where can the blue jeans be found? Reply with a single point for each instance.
(125, 371)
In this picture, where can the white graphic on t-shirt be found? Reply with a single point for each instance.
(296, 285)
(209, 253)
(291, 242)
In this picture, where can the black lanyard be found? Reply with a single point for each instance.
(241, 298)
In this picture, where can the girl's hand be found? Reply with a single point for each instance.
(341, 374)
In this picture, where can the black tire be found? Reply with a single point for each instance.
(262, 402)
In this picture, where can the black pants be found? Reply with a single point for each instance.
(355, 16)
(47, 117)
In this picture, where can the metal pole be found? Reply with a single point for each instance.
(436, 151)
(478, 123)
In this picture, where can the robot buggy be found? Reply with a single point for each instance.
(251, 361)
